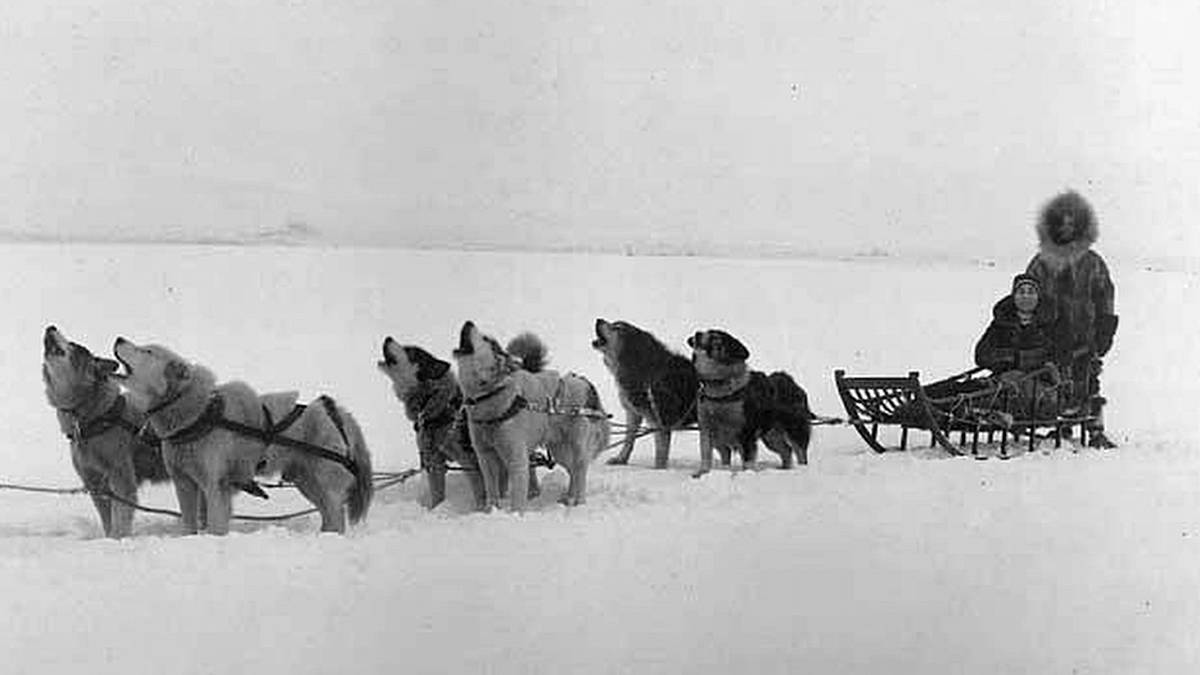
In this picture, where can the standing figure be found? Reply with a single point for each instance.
(1075, 280)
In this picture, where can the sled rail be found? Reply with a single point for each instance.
(970, 403)
(872, 402)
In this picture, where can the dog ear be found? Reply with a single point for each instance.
(105, 367)
(694, 340)
(735, 350)
(176, 371)
(429, 367)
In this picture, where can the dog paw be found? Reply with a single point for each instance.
(617, 461)
(700, 473)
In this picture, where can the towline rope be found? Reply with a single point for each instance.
(382, 480)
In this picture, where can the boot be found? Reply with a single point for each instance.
(1095, 433)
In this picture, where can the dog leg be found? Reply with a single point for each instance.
(576, 492)
(97, 490)
(726, 454)
(706, 453)
(475, 478)
(469, 462)
(749, 452)
(501, 476)
(333, 512)
(535, 490)
(633, 422)
(801, 454)
(330, 506)
(435, 480)
(190, 502)
(518, 479)
(662, 448)
(489, 468)
(124, 485)
(220, 508)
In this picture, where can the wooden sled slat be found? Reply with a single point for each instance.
(969, 403)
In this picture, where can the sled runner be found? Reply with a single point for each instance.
(974, 412)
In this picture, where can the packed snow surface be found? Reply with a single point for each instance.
(1055, 562)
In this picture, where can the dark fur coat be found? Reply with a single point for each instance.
(1074, 278)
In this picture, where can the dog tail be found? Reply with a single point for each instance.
(599, 426)
(786, 393)
(792, 401)
(530, 351)
(359, 499)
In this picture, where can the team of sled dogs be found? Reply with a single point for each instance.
(150, 414)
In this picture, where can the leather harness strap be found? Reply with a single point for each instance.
(518, 404)
(214, 416)
(113, 417)
(735, 395)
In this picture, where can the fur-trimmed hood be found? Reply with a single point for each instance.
(1087, 229)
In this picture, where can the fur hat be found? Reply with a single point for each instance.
(1087, 230)
(1023, 279)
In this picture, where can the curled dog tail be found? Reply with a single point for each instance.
(789, 395)
(530, 351)
(359, 499)
(599, 428)
(792, 404)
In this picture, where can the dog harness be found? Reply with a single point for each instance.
(552, 406)
(113, 417)
(445, 416)
(735, 395)
(214, 417)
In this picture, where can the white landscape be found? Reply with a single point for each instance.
(255, 178)
(1055, 562)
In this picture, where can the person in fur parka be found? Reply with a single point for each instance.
(1075, 280)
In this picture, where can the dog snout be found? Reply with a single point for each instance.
(464, 339)
(50, 342)
(119, 344)
(389, 343)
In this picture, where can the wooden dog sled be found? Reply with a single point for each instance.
(972, 413)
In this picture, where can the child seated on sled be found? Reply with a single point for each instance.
(1019, 349)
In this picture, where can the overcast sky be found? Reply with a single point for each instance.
(925, 125)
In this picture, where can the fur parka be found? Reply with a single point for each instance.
(1074, 278)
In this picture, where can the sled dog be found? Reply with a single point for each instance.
(514, 404)
(217, 438)
(738, 406)
(107, 451)
(433, 402)
(653, 383)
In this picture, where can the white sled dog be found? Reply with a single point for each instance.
(515, 405)
(217, 438)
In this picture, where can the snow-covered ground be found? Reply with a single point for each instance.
(858, 563)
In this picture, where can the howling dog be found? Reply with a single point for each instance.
(738, 406)
(654, 384)
(107, 450)
(514, 405)
(218, 438)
